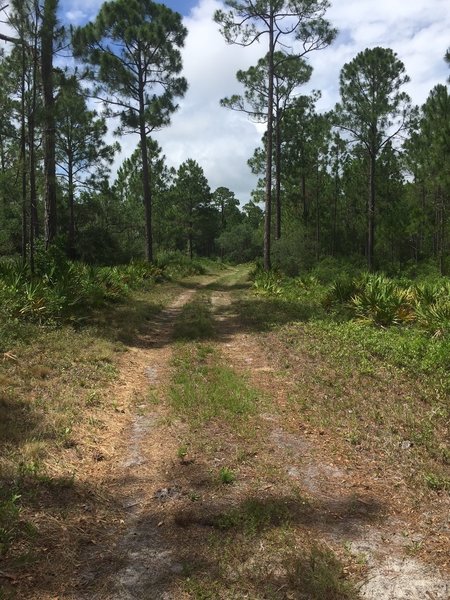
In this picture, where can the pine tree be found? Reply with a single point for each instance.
(132, 48)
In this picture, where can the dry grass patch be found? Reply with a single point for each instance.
(57, 421)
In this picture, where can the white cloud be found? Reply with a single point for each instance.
(222, 141)
(417, 31)
(78, 12)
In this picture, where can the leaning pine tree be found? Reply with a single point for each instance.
(132, 48)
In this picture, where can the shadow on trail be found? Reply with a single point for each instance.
(17, 419)
(144, 324)
(216, 286)
(173, 545)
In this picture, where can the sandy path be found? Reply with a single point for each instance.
(145, 553)
(136, 557)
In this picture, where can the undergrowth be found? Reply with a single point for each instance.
(362, 326)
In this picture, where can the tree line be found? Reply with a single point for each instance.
(368, 179)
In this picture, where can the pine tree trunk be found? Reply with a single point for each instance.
(71, 209)
(146, 181)
(34, 220)
(278, 177)
(269, 148)
(371, 213)
(23, 160)
(335, 200)
(47, 35)
(317, 212)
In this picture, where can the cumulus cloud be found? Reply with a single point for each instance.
(221, 140)
(78, 12)
(417, 31)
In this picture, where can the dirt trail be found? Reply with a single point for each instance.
(157, 531)
(137, 557)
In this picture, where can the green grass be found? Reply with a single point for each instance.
(254, 515)
(53, 396)
(195, 321)
(247, 566)
(375, 373)
(203, 389)
(437, 482)
(320, 576)
(226, 475)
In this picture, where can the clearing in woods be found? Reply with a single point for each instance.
(215, 475)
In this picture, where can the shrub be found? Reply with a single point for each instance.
(267, 282)
(343, 290)
(382, 302)
(434, 317)
(61, 289)
(177, 264)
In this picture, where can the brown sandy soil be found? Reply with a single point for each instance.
(151, 529)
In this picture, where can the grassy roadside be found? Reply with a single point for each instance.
(54, 405)
(384, 390)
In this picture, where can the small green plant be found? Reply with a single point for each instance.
(320, 576)
(9, 516)
(437, 482)
(182, 451)
(267, 282)
(226, 475)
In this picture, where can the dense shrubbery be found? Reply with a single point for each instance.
(175, 264)
(369, 298)
(61, 289)
(67, 288)
(405, 322)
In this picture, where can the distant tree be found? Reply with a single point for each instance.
(228, 205)
(133, 50)
(429, 159)
(373, 110)
(129, 210)
(254, 215)
(48, 33)
(299, 155)
(301, 24)
(191, 198)
(289, 72)
(81, 152)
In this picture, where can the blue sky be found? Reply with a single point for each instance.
(181, 6)
(80, 11)
(221, 140)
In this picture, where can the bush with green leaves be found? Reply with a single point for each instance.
(267, 282)
(177, 264)
(62, 289)
(9, 516)
(381, 301)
